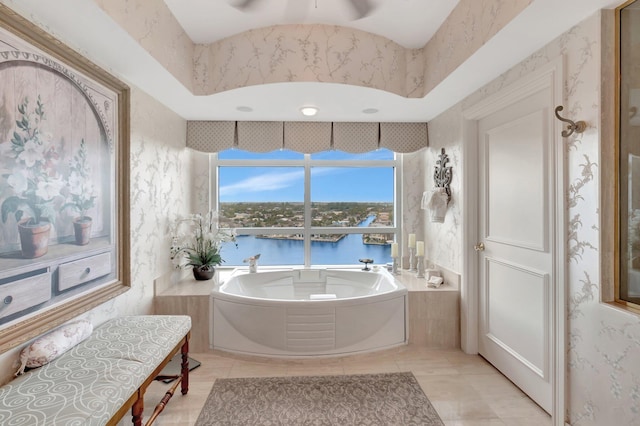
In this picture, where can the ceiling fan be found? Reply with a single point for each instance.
(361, 8)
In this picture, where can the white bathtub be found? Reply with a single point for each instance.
(308, 312)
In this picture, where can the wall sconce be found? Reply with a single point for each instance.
(572, 126)
(437, 200)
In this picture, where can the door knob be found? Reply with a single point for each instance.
(479, 247)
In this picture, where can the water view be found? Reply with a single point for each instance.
(346, 251)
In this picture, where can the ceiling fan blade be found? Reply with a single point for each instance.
(242, 4)
(362, 8)
(296, 10)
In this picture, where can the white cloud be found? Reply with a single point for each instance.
(264, 182)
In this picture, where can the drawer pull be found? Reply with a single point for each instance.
(87, 271)
(6, 302)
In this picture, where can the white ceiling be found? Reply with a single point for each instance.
(410, 23)
(85, 27)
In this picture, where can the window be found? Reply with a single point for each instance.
(328, 208)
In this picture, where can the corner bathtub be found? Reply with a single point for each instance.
(308, 312)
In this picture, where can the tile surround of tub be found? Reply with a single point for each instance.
(434, 314)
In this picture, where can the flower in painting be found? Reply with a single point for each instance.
(75, 183)
(35, 181)
(18, 181)
(32, 153)
(48, 189)
(80, 187)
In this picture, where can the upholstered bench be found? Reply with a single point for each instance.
(100, 379)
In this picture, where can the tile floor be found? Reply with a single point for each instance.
(464, 389)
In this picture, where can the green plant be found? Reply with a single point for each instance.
(34, 180)
(197, 240)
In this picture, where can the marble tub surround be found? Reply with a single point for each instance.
(190, 297)
(433, 314)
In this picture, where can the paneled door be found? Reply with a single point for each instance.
(516, 250)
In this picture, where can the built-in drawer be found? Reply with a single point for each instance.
(72, 274)
(24, 294)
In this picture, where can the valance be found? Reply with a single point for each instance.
(306, 136)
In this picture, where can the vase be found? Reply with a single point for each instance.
(204, 272)
(82, 229)
(34, 238)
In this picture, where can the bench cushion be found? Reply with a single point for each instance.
(90, 382)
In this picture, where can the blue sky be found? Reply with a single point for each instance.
(287, 183)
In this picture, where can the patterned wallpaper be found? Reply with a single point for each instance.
(152, 24)
(603, 342)
(470, 25)
(444, 240)
(315, 53)
(311, 53)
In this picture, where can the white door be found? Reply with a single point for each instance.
(516, 262)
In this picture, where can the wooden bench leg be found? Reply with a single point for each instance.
(185, 368)
(137, 409)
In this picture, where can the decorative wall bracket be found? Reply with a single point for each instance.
(572, 126)
(442, 174)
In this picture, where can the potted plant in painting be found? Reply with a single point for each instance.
(81, 195)
(34, 181)
(197, 241)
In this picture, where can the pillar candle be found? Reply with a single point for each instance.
(420, 248)
(394, 250)
(412, 240)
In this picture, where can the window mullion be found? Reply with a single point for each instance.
(307, 210)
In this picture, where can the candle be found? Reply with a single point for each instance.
(412, 240)
(420, 248)
(394, 250)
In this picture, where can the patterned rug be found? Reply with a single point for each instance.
(368, 399)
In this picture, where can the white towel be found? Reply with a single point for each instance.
(436, 202)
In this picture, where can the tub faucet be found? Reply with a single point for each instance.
(253, 263)
(366, 263)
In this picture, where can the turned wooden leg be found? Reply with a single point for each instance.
(137, 409)
(185, 368)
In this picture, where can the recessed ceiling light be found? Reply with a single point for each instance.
(309, 111)
(370, 110)
(244, 109)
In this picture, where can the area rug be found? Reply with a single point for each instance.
(368, 399)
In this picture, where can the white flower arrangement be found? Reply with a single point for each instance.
(197, 240)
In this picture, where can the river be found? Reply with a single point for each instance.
(347, 251)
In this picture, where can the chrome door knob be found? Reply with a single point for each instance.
(479, 247)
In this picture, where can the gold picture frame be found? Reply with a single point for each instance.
(626, 157)
(64, 137)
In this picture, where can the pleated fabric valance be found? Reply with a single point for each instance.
(305, 136)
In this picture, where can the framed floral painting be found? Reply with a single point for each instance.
(64, 129)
